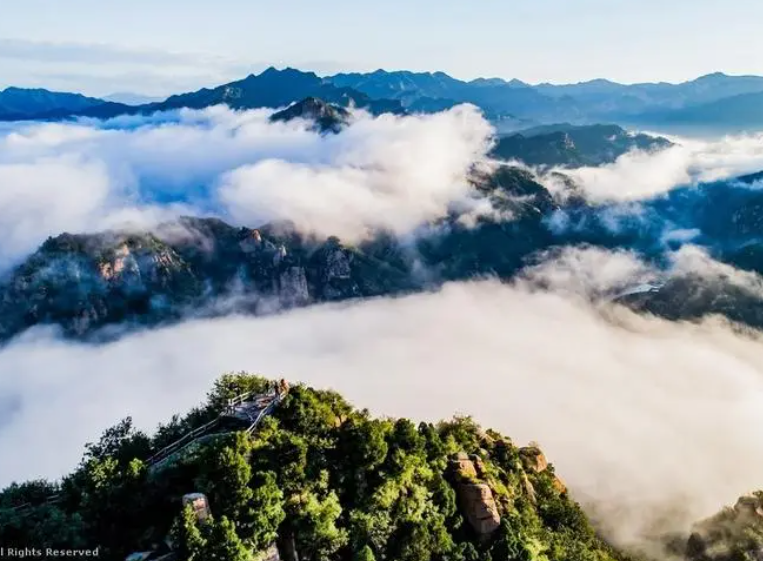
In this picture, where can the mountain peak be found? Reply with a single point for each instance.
(714, 75)
(515, 83)
(327, 117)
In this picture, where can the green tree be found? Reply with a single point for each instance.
(267, 510)
(361, 448)
(365, 554)
(225, 476)
(188, 541)
(112, 503)
(370, 525)
(121, 442)
(233, 384)
(222, 542)
(316, 527)
(312, 414)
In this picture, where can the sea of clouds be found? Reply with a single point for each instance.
(647, 420)
(386, 172)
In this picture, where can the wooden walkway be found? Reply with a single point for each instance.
(247, 410)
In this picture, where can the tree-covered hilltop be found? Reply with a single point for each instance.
(319, 479)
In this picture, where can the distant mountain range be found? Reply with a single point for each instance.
(17, 103)
(715, 102)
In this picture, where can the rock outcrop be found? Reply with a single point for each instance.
(196, 266)
(474, 496)
(479, 507)
(533, 458)
(325, 116)
(293, 290)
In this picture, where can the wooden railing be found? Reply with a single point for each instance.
(274, 398)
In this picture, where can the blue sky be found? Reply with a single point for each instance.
(157, 47)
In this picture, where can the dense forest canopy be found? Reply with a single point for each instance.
(321, 479)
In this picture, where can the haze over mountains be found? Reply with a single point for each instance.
(395, 236)
(501, 218)
(711, 103)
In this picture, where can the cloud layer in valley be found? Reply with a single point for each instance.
(386, 172)
(639, 175)
(642, 417)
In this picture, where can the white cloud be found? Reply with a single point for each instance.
(390, 172)
(594, 273)
(639, 175)
(590, 272)
(639, 414)
(385, 172)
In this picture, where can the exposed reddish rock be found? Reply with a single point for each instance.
(475, 498)
(533, 459)
(479, 508)
(463, 467)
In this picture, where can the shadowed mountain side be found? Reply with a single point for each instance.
(21, 103)
(205, 267)
(573, 146)
(324, 116)
(270, 89)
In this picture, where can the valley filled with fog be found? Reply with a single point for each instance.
(651, 419)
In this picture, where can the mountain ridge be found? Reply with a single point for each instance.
(319, 480)
(100, 285)
(501, 100)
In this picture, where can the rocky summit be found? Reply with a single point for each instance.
(317, 480)
(323, 116)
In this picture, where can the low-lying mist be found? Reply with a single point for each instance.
(240, 166)
(646, 420)
(385, 172)
(641, 175)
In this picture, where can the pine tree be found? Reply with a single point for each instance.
(223, 544)
(365, 554)
(188, 541)
(267, 512)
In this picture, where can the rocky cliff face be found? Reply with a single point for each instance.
(87, 282)
(474, 496)
(206, 267)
